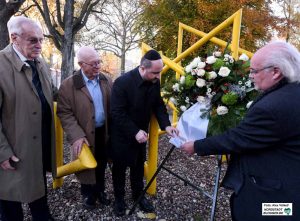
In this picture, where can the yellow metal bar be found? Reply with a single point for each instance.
(151, 164)
(215, 40)
(85, 160)
(236, 30)
(176, 67)
(152, 154)
(203, 40)
(179, 51)
(58, 182)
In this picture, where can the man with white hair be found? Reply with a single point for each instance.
(265, 146)
(83, 108)
(27, 148)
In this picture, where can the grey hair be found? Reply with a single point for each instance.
(145, 62)
(286, 57)
(15, 24)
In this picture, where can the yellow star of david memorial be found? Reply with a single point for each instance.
(86, 159)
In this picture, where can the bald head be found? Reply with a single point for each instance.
(89, 61)
(86, 53)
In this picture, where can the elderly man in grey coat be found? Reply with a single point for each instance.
(26, 122)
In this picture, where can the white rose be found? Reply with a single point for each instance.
(195, 62)
(183, 108)
(212, 75)
(200, 72)
(200, 82)
(222, 110)
(175, 87)
(201, 65)
(173, 100)
(188, 69)
(201, 99)
(244, 57)
(249, 104)
(211, 60)
(182, 79)
(224, 71)
(217, 54)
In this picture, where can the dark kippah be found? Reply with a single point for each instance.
(152, 55)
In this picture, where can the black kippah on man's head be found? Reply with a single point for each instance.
(152, 55)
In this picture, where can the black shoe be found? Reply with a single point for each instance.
(103, 199)
(146, 206)
(89, 202)
(120, 207)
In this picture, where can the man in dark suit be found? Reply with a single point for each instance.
(265, 146)
(135, 96)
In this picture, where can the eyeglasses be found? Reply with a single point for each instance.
(254, 71)
(33, 40)
(95, 64)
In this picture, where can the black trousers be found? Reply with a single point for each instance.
(12, 211)
(101, 158)
(136, 177)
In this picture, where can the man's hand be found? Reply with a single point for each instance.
(141, 136)
(188, 147)
(77, 146)
(6, 165)
(171, 131)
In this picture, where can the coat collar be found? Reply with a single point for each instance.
(138, 78)
(280, 84)
(12, 55)
(79, 81)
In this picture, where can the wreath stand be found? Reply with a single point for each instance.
(212, 196)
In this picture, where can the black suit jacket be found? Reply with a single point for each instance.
(265, 148)
(133, 100)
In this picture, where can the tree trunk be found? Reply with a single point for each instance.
(4, 38)
(123, 62)
(67, 65)
(123, 51)
(6, 11)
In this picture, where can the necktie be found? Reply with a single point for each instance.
(46, 117)
(35, 79)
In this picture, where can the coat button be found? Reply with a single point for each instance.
(34, 137)
(93, 117)
(91, 102)
(34, 113)
(92, 132)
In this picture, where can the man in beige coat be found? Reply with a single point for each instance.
(26, 122)
(83, 108)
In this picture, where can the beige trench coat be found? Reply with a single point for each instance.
(76, 112)
(20, 124)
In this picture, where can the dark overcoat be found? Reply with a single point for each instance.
(265, 148)
(132, 103)
(21, 126)
(76, 111)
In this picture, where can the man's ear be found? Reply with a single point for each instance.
(13, 37)
(277, 75)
